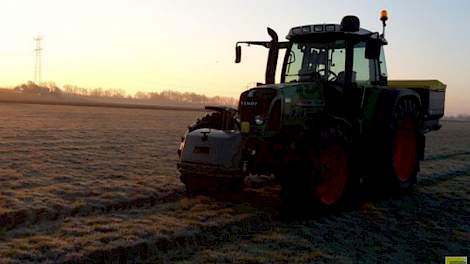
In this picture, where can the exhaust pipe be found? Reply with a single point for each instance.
(272, 57)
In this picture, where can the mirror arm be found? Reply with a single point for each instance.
(238, 48)
(257, 43)
(274, 46)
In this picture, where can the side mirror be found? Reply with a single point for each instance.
(373, 49)
(238, 54)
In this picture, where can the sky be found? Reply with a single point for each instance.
(188, 45)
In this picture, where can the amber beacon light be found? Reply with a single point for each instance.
(384, 15)
(383, 18)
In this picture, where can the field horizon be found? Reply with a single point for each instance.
(9, 96)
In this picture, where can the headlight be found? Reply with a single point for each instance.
(259, 120)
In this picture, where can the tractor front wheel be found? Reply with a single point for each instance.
(318, 173)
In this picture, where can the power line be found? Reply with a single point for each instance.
(38, 65)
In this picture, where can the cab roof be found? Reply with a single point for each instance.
(319, 30)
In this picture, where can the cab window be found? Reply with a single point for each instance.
(361, 65)
(383, 65)
(365, 70)
(310, 61)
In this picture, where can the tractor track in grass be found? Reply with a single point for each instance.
(438, 170)
(31, 216)
(436, 178)
(143, 233)
(446, 156)
(204, 237)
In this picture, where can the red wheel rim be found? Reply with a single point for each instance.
(405, 150)
(333, 174)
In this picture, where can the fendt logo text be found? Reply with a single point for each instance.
(248, 103)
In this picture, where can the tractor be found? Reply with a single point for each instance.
(331, 126)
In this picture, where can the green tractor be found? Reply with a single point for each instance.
(332, 125)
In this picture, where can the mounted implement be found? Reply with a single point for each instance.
(333, 123)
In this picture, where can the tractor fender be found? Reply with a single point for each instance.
(388, 100)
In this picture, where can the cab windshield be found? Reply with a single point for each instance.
(310, 61)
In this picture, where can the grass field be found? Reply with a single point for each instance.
(93, 185)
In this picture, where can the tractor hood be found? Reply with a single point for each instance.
(306, 94)
(267, 106)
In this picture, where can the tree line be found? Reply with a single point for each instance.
(166, 96)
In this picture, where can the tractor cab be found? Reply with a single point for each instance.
(341, 54)
(328, 53)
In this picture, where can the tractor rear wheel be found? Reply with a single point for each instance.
(400, 163)
(318, 173)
